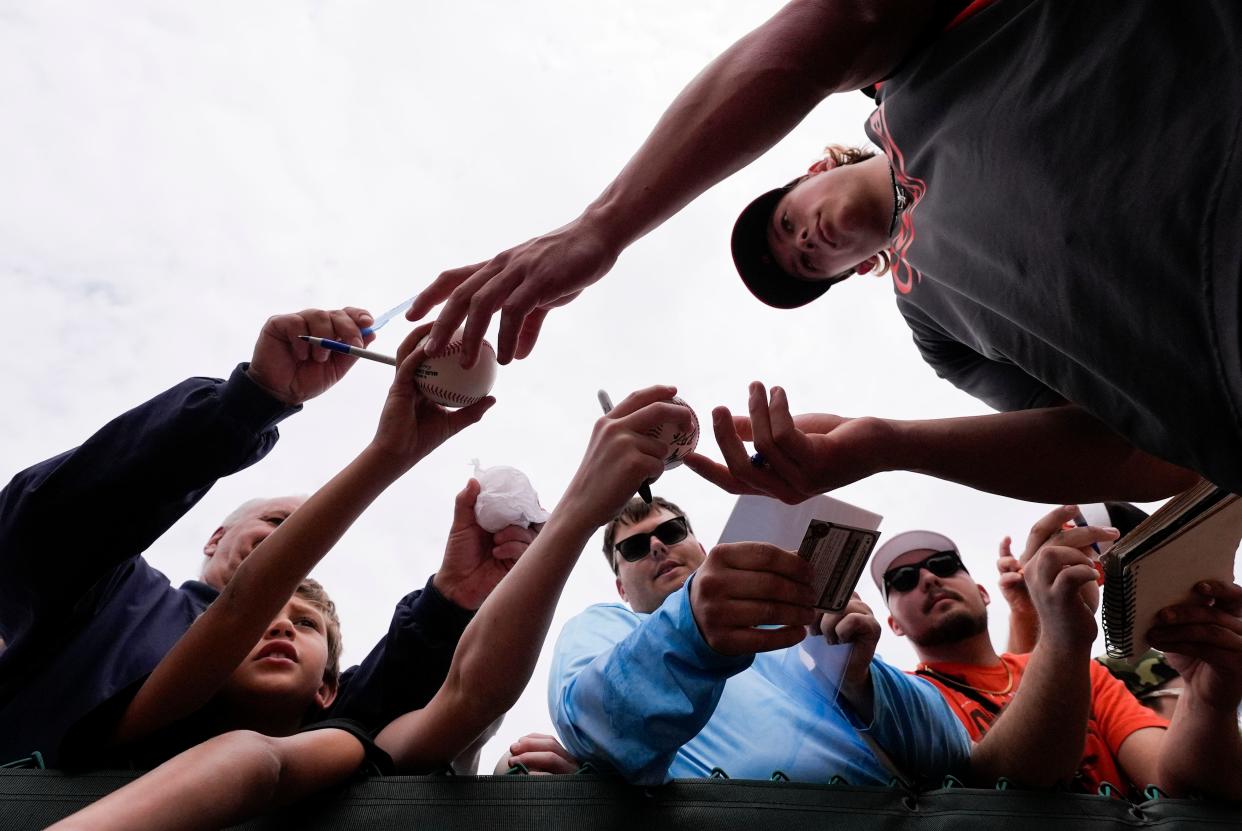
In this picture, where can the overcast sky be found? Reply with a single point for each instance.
(173, 173)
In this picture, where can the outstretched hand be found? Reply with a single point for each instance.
(803, 455)
(1012, 582)
(411, 425)
(523, 283)
(475, 560)
(292, 370)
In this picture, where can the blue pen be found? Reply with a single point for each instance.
(346, 349)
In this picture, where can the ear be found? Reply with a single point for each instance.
(214, 542)
(821, 166)
(621, 590)
(897, 630)
(987, 599)
(325, 695)
(868, 265)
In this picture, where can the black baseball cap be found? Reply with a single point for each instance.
(756, 265)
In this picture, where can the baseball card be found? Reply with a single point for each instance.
(837, 553)
(835, 537)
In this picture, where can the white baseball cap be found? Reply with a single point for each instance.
(904, 543)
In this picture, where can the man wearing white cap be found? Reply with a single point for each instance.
(1054, 715)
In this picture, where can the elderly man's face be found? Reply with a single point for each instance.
(645, 584)
(937, 610)
(232, 543)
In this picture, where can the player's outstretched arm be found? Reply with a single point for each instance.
(224, 781)
(733, 111)
(198, 665)
(1053, 454)
(497, 653)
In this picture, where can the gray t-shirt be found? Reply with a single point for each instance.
(1077, 225)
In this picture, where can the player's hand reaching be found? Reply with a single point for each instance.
(801, 456)
(292, 370)
(523, 284)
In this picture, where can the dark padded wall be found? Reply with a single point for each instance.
(31, 799)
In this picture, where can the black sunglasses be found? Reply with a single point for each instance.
(905, 578)
(669, 532)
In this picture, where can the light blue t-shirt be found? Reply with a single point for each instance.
(644, 695)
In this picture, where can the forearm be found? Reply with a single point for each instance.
(1202, 752)
(748, 99)
(497, 653)
(627, 694)
(212, 785)
(224, 781)
(1055, 454)
(1038, 739)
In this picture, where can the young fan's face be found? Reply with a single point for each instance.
(288, 662)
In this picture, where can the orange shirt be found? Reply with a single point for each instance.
(1114, 715)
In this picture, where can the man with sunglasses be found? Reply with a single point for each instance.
(1054, 715)
(682, 682)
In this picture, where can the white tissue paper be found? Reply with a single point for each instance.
(507, 498)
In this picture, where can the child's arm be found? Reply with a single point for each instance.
(225, 780)
(194, 670)
(497, 653)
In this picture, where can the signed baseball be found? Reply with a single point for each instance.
(680, 442)
(445, 381)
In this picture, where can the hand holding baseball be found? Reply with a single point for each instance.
(623, 452)
(681, 442)
(442, 378)
(411, 426)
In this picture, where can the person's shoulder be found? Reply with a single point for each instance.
(901, 679)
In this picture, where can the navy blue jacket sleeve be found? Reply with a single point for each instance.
(407, 667)
(66, 522)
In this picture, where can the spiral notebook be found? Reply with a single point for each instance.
(1192, 537)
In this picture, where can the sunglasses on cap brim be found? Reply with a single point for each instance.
(905, 578)
(670, 532)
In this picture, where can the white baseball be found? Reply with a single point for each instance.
(680, 442)
(445, 381)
